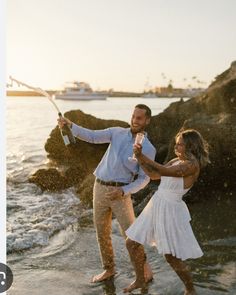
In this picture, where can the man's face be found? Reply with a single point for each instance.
(139, 121)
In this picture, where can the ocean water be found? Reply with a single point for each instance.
(51, 240)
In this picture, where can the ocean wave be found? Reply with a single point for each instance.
(34, 218)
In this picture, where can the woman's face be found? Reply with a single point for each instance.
(179, 147)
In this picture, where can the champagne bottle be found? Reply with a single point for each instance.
(66, 134)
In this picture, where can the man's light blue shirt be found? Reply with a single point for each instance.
(115, 165)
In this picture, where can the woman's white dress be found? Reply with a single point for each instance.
(165, 222)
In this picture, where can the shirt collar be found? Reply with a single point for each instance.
(131, 135)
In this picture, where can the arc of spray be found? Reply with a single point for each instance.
(38, 90)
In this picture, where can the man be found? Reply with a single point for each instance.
(117, 177)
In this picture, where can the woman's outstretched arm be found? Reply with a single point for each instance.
(154, 170)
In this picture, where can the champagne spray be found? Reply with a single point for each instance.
(66, 133)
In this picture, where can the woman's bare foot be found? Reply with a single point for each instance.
(190, 292)
(136, 285)
(103, 276)
(148, 275)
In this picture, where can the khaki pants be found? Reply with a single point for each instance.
(103, 208)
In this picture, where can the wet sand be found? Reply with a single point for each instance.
(72, 258)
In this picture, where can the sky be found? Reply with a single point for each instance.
(124, 45)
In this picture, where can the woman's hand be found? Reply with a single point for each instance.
(137, 149)
(63, 121)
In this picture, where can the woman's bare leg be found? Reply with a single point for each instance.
(148, 274)
(138, 259)
(183, 272)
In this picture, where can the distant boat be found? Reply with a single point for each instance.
(80, 91)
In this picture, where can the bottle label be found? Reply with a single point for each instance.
(66, 139)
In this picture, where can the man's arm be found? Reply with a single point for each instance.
(92, 136)
(138, 184)
(88, 135)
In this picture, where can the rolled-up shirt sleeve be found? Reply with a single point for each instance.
(92, 136)
(142, 179)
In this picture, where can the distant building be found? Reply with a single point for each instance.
(177, 92)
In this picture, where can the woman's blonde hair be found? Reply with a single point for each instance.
(195, 146)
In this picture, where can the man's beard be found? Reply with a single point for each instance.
(136, 129)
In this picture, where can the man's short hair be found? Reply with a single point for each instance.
(146, 108)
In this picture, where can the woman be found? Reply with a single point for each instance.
(165, 220)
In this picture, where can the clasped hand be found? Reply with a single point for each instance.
(63, 121)
(137, 149)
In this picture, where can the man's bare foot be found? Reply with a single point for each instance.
(136, 285)
(148, 275)
(190, 292)
(103, 276)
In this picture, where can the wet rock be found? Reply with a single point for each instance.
(49, 179)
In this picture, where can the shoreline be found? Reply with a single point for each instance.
(109, 95)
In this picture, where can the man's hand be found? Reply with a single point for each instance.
(63, 121)
(116, 193)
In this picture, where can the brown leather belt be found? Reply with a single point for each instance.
(110, 183)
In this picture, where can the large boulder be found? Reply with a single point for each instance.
(49, 179)
(212, 113)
